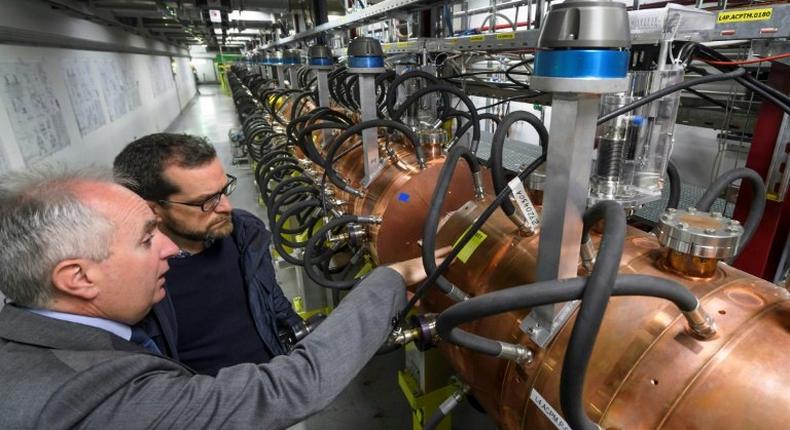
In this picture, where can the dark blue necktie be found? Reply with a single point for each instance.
(140, 337)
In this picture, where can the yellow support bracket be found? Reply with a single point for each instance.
(423, 405)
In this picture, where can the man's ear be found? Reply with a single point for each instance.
(74, 278)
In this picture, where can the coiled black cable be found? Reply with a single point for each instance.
(316, 242)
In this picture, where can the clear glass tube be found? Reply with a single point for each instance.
(633, 149)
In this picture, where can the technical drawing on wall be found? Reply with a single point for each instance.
(34, 111)
(161, 75)
(121, 90)
(84, 95)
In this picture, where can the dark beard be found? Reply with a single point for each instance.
(201, 236)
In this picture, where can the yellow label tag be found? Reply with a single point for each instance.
(386, 45)
(404, 44)
(506, 36)
(470, 246)
(478, 38)
(761, 14)
(452, 41)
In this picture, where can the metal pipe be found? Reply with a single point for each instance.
(489, 9)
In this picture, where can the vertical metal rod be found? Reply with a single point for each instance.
(292, 77)
(370, 144)
(323, 100)
(565, 200)
(568, 165)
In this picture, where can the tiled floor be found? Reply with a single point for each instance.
(373, 400)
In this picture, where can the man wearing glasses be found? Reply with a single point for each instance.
(225, 306)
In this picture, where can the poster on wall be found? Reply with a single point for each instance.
(34, 111)
(84, 95)
(161, 75)
(121, 91)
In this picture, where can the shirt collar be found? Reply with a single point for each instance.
(119, 329)
(182, 253)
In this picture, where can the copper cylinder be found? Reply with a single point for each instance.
(689, 265)
(401, 195)
(646, 370)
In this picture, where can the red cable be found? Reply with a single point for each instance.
(753, 61)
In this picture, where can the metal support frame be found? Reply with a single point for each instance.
(761, 256)
(370, 144)
(292, 76)
(280, 75)
(565, 200)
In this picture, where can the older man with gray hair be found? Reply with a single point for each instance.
(83, 262)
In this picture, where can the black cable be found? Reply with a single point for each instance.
(445, 88)
(392, 92)
(356, 129)
(497, 150)
(669, 90)
(756, 208)
(595, 298)
(317, 240)
(674, 185)
(430, 281)
(280, 242)
(431, 224)
(545, 293)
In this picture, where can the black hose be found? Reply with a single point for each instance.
(434, 213)
(356, 129)
(669, 90)
(263, 185)
(285, 198)
(595, 298)
(280, 242)
(757, 206)
(769, 93)
(674, 185)
(430, 281)
(497, 147)
(444, 88)
(392, 92)
(305, 141)
(544, 293)
(316, 241)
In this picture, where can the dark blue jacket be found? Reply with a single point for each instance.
(271, 310)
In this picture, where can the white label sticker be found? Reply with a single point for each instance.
(548, 411)
(524, 203)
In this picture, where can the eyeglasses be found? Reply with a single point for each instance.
(213, 200)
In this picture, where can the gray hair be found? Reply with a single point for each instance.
(42, 223)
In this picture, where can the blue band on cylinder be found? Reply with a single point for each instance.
(365, 62)
(320, 61)
(581, 63)
(292, 61)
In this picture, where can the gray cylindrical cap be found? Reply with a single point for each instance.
(319, 51)
(365, 47)
(586, 24)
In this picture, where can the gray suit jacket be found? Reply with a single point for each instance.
(56, 374)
